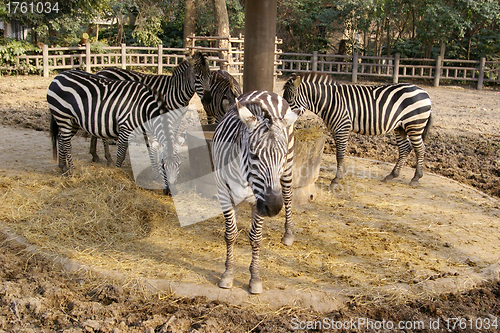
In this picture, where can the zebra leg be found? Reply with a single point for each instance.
(288, 236)
(62, 149)
(93, 149)
(226, 280)
(109, 159)
(418, 145)
(340, 139)
(404, 148)
(122, 147)
(153, 156)
(255, 237)
(287, 192)
(65, 158)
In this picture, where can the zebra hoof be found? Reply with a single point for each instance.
(387, 178)
(414, 182)
(66, 172)
(255, 286)
(95, 159)
(335, 181)
(226, 282)
(287, 240)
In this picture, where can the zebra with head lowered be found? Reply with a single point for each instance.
(223, 89)
(252, 152)
(108, 109)
(190, 76)
(370, 110)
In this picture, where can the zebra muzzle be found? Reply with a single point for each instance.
(170, 190)
(272, 203)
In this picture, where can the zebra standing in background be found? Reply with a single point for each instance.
(224, 89)
(370, 110)
(108, 109)
(190, 76)
(253, 155)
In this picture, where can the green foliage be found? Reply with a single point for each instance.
(413, 28)
(11, 48)
(305, 25)
(205, 21)
(173, 28)
(146, 32)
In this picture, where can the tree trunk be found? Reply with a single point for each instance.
(388, 25)
(120, 34)
(442, 44)
(189, 20)
(222, 28)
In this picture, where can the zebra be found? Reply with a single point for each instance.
(252, 152)
(190, 76)
(369, 110)
(108, 109)
(224, 89)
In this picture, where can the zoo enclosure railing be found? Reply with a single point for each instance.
(393, 67)
(227, 53)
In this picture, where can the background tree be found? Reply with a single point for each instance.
(189, 20)
(222, 26)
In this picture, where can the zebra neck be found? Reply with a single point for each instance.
(322, 97)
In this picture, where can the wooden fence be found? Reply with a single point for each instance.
(231, 58)
(393, 67)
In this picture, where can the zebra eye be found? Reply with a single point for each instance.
(254, 156)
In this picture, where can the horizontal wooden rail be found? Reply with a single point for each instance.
(230, 57)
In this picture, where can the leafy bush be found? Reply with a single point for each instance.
(10, 49)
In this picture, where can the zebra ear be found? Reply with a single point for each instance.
(245, 115)
(290, 117)
(226, 104)
(297, 81)
(191, 61)
(234, 87)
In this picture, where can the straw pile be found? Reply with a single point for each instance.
(95, 208)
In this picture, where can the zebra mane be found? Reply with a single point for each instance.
(317, 77)
(181, 68)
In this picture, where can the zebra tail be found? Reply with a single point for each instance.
(430, 121)
(54, 133)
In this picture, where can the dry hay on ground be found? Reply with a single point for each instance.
(363, 238)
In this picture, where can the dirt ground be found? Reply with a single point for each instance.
(442, 241)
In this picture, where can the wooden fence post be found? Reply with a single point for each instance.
(355, 58)
(124, 56)
(315, 61)
(88, 60)
(395, 74)
(45, 55)
(480, 79)
(438, 71)
(160, 59)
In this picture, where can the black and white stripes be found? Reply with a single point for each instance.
(253, 155)
(106, 109)
(224, 89)
(190, 76)
(370, 110)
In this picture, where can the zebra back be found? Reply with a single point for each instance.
(224, 89)
(370, 110)
(190, 76)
